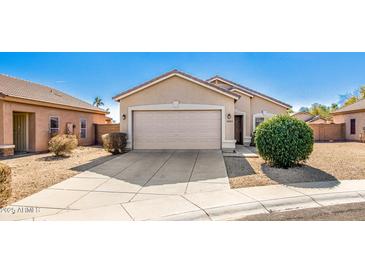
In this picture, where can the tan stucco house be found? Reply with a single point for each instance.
(179, 111)
(30, 113)
(354, 118)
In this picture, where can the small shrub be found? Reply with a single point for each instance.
(253, 139)
(5, 184)
(284, 141)
(63, 144)
(115, 142)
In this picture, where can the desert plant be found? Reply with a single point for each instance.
(5, 184)
(284, 141)
(252, 143)
(62, 144)
(115, 142)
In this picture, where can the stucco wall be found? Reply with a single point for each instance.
(328, 132)
(254, 106)
(184, 91)
(360, 124)
(39, 123)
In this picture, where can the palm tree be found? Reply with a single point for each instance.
(334, 106)
(98, 102)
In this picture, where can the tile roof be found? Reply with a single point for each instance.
(248, 90)
(359, 105)
(14, 87)
(176, 72)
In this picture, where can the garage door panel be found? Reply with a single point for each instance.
(177, 129)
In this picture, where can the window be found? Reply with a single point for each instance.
(353, 126)
(258, 120)
(82, 128)
(54, 125)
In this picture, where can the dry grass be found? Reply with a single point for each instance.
(32, 173)
(329, 161)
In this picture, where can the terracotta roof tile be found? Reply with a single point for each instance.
(14, 87)
(359, 105)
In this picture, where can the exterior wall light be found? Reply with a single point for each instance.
(124, 116)
(229, 116)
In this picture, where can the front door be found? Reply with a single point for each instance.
(238, 129)
(20, 131)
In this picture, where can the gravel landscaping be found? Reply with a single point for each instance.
(32, 173)
(329, 161)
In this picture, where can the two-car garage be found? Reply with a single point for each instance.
(177, 129)
(178, 111)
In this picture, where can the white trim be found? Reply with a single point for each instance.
(242, 92)
(263, 114)
(255, 94)
(117, 98)
(225, 143)
(85, 128)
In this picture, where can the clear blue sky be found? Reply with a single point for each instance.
(299, 79)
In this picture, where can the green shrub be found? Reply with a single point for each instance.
(63, 144)
(115, 142)
(5, 184)
(284, 141)
(253, 139)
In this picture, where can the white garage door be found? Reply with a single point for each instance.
(177, 129)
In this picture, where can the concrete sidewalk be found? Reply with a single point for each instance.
(226, 204)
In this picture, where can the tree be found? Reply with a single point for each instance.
(334, 106)
(362, 92)
(304, 109)
(98, 102)
(351, 100)
(319, 109)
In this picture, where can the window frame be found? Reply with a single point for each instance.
(353, 126)
(261, 118)
(50, 123)
(81, 128)
(263, 114)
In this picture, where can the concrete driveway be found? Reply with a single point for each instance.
(172, 185)
(112, 189)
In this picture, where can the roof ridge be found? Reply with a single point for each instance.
(175, 71)
(249, 90)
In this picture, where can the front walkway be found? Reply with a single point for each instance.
(172, 185)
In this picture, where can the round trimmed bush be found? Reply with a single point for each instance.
(284, 141)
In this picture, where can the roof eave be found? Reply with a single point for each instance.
(61, 106)
(217, 77)
(172, 74)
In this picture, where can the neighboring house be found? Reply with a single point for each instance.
(179, 111)
(302, 115)
(318, 120)
(354, 118)
(31, 113)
